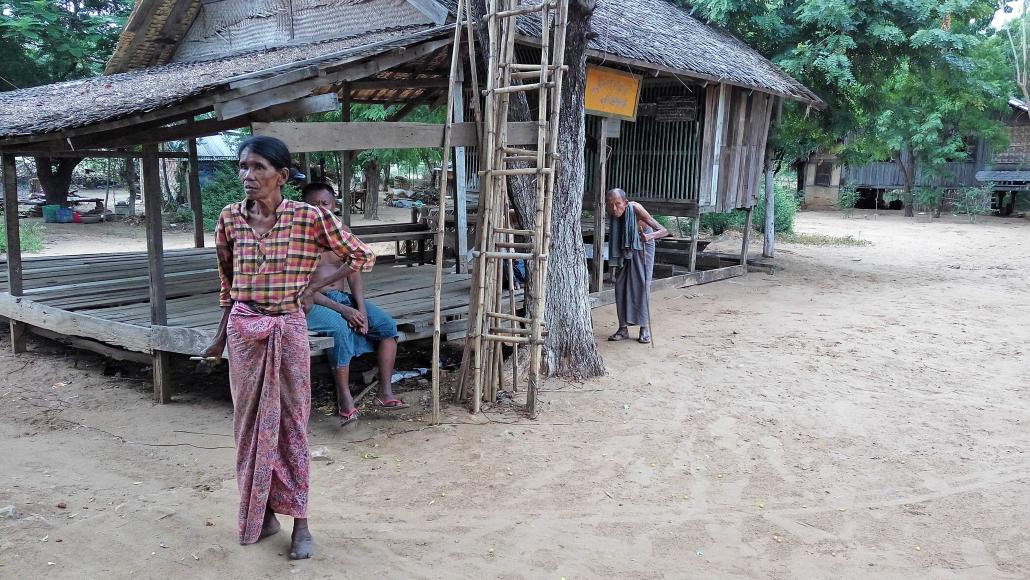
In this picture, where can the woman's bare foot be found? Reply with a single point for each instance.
(302, 545)
(270, 527)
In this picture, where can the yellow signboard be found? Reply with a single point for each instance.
(612, 93)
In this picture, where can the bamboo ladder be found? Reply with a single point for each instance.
(491, 325)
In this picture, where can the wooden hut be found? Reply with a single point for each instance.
(185, 69)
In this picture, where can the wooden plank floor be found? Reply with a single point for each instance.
(114, 287)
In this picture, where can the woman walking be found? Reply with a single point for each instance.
(268, 248)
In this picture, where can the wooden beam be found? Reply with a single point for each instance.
(670, 207)
(720, 120)
(14, 271)
(299, 108)
(389, 84)
(327, 76)
(187, 130)
(695, 231)
(606, 297)
(346, 176)
(600, 176)
(309, 137)
(155, 262)
(461, 225)
(92, 154)
(196, 202)
(92, 346)
(747, 239)
(35, 314)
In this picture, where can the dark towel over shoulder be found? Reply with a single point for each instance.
(625, 237)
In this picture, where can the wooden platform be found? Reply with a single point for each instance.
(105, 298)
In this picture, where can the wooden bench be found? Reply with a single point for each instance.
(409, 233)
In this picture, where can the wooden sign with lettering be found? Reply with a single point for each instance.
(612, 93)
(676, 109)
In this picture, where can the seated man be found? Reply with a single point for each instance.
(357, 326)
(631, 250)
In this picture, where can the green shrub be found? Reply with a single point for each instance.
(974, 201)
(30, 233)
(785, 210)
(718, 223)
(847, 197)
(928, 199)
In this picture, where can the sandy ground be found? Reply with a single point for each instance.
(862, 413)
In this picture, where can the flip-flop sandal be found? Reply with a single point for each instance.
(619, 335)
(390, 404)
(645, 338)
(348, 418)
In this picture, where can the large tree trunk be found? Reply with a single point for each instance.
(372, 173)
(55, 175)
(571, 352)
(908, 177)
(131, 178)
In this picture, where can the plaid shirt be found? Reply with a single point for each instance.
(270, 271)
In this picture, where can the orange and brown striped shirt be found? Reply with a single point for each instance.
(270, 271)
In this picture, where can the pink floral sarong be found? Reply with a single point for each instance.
(270, 380)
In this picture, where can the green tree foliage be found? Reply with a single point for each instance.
(47, 41)
(879, 66)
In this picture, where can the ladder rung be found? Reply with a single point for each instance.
(520, 11)
(518, 88)
(509, 330)
(514, 232)
(521, 158)
(515, 245)
(511, 317)
(518, 171)
(509, 255)
(511, 339)
(526, 75)
(518, 151)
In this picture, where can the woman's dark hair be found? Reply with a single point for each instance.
(272, 149)
(315, 187)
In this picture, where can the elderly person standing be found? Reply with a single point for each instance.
(631, 250)
(268, 248)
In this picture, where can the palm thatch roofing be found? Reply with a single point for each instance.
(660, 36)
(72, 104)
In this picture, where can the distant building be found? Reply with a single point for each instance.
(1009, 170)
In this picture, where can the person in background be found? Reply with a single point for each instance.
(356, 325)
(631, 251)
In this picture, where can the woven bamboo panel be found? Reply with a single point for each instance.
(234, 26)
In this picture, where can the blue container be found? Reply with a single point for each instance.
(65, 215)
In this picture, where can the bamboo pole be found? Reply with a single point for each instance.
(441, 223)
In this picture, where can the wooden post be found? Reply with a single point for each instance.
(155, 263)
(194, 194)
(768, 245)
(600, 185)
(747, 239)
(461, 226)
(720, 121)
(345, 171)
(14, 278)
(695, 230)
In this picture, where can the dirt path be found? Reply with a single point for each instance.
(860, 414)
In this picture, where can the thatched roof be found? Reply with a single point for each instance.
(62, 106)
(657, 35)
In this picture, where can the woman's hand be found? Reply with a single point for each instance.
(355, 318)
(216, 348)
